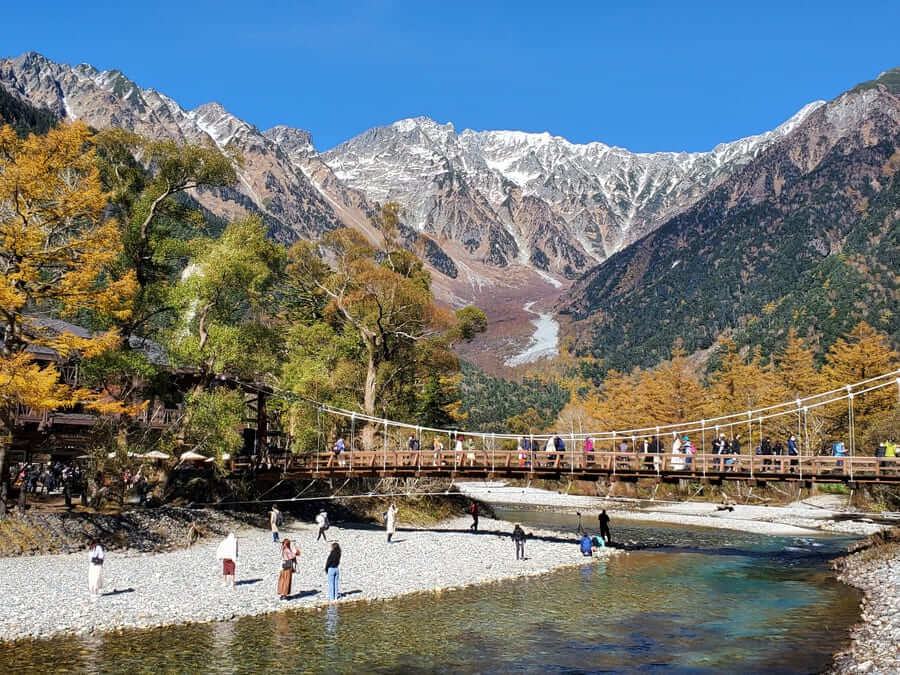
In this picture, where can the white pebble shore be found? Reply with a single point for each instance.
(876, 639)
(48, 595)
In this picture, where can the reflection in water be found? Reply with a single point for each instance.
(704, 602)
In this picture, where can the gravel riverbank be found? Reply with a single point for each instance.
(875, 644)
(48, 595)
(799, 518)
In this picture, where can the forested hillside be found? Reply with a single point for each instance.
(23, 117)
(489, 402)
(805, 236)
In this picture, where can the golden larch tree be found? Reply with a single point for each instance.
(55, 249)
(862, 354)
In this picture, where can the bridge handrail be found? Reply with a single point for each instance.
(638, 463)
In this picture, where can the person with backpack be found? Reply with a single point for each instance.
(322, 522)
(518, 536)
(473, 509)
(275, 520)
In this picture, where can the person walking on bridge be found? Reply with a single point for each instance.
(604, 526)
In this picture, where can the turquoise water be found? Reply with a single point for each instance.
(698, 601)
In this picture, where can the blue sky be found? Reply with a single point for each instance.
(643, 75)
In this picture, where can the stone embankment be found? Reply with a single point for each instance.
(145, 531)
(875, 570)
(48, 595)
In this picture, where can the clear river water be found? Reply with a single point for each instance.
(692, 601)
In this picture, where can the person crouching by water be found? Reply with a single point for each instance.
(331, 569)
(518, 535)
(586, 546)
(390, 521)
(288, 564)
(95, 571)
(227, 552)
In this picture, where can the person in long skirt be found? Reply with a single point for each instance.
(332, 570)
(227, 552)
(288, 556)
(390, 521)
(95, 570)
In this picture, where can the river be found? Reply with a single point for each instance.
(692, 601)
(544, 342)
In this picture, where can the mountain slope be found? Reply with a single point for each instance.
(534, 199)
(269, 183)
(23, 117)
(804, 235)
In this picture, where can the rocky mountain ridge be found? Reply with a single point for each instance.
(495, 197)
(534, 199)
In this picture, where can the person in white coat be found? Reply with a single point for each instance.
(227, 552)
(390, 521)
(95, 570)
(677, 462)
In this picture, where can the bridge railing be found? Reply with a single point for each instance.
(607, 463)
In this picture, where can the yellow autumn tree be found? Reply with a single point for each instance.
(618, 404)
(55, 249)
(796, 368)
(671, 393)
(742, 384)
(862, 354)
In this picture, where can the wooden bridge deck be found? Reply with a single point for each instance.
(584, 466)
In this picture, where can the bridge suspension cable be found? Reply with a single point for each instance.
(847, 392)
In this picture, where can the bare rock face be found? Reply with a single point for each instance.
(563, 206)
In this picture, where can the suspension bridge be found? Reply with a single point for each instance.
(478, 455)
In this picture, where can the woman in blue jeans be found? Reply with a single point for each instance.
(331, 569)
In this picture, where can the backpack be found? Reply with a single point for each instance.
(279, 519)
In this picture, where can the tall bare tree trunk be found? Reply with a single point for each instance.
(370, 429)
(7, 420)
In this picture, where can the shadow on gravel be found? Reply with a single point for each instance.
(247, 582)
(118, 591)
(353, 592)
(349, 526)
(302, 594)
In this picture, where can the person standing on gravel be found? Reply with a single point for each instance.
(473, 509)
(604, 526)
(227, 552)
(331, 569)
(518, 536)
(390, 521)
(95, 571)
(288, 564)
(274, 522)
